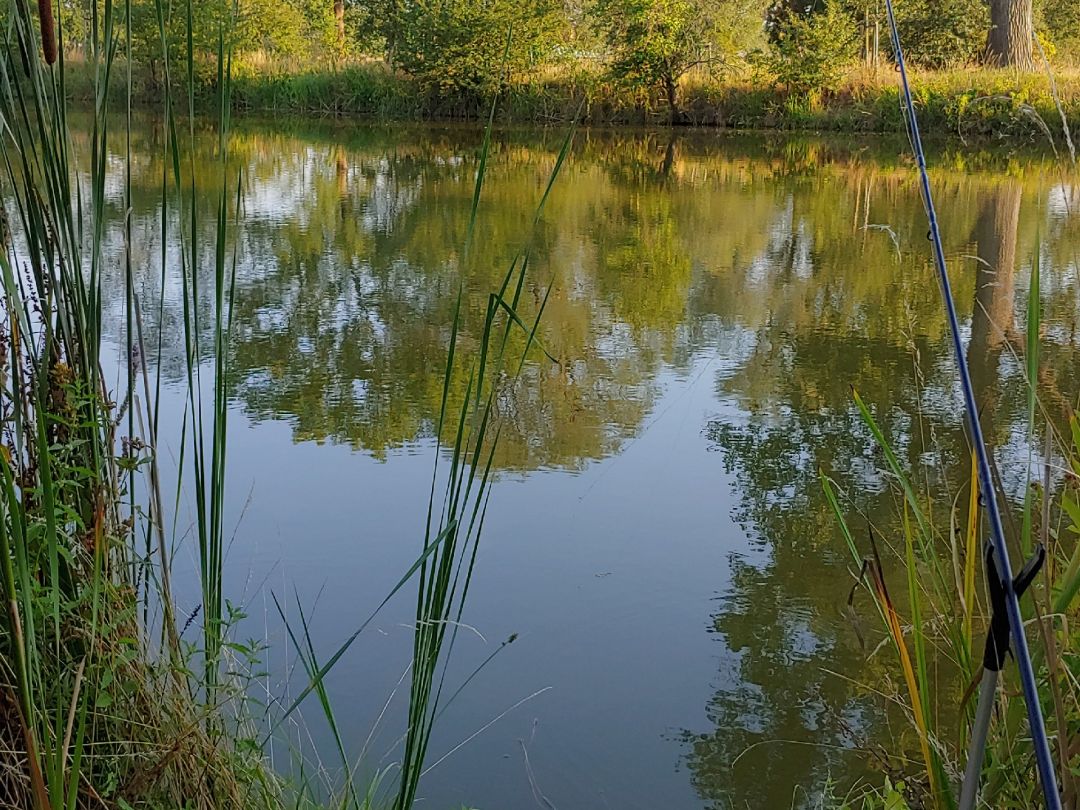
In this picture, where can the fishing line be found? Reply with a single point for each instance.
(1040, 743)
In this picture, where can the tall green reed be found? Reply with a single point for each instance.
(206, 424)
(85, 549)
(458, 521)
(98, 715)
(58, 472)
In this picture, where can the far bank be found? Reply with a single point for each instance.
(976, 103)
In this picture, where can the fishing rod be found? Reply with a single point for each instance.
(1001, 569)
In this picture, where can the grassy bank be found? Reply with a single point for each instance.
(966, 103)
(973, 102)
(103, 702)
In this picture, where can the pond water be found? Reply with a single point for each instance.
(657, 534)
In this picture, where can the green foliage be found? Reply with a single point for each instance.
(1059, 22)
(655, 42)
(96, 691)
(263, 34)
(631, 61)
(888, 797)
(812, 52)
(463, 45)
(943, 33)
(361, 90)
(285, 28)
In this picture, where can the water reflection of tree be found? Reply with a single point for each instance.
(992, 329)
(346, 331)
(350, 260)
(350, 263)
(782, 613)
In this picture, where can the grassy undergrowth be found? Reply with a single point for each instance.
(102, 705)
(968, 103)
(108, 698)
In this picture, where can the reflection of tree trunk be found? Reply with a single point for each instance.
(669, 158)
(992, 317)
(1011, 31)
(995, 233)
(341, 172)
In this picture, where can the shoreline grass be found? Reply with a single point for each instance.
(937, 632)
(965, 103)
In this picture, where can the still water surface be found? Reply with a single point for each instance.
(657, 534)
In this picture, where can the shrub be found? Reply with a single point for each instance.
(1059, 25)
(812, 52)
(455, 45)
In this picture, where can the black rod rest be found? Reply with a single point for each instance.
(997, 640)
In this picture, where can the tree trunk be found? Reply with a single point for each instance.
(671, 89)
(1011, 31)
(339, 22)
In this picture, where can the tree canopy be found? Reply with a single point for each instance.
(649, 47)
(455, 44)
(653, 43)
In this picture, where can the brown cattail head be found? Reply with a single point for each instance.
(48, 30)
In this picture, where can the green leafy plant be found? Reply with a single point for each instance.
(462, 46)
(812, 52)
(654, 43)
(943, 34)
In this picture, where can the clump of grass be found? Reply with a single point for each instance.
(368, 90)
(100, 698)
(938, 632)
(93, 715)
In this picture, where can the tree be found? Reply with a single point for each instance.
(462, 44)
(339, 26)
(812, 50)
(275, 28)
(1012, 28)
(655, 42)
